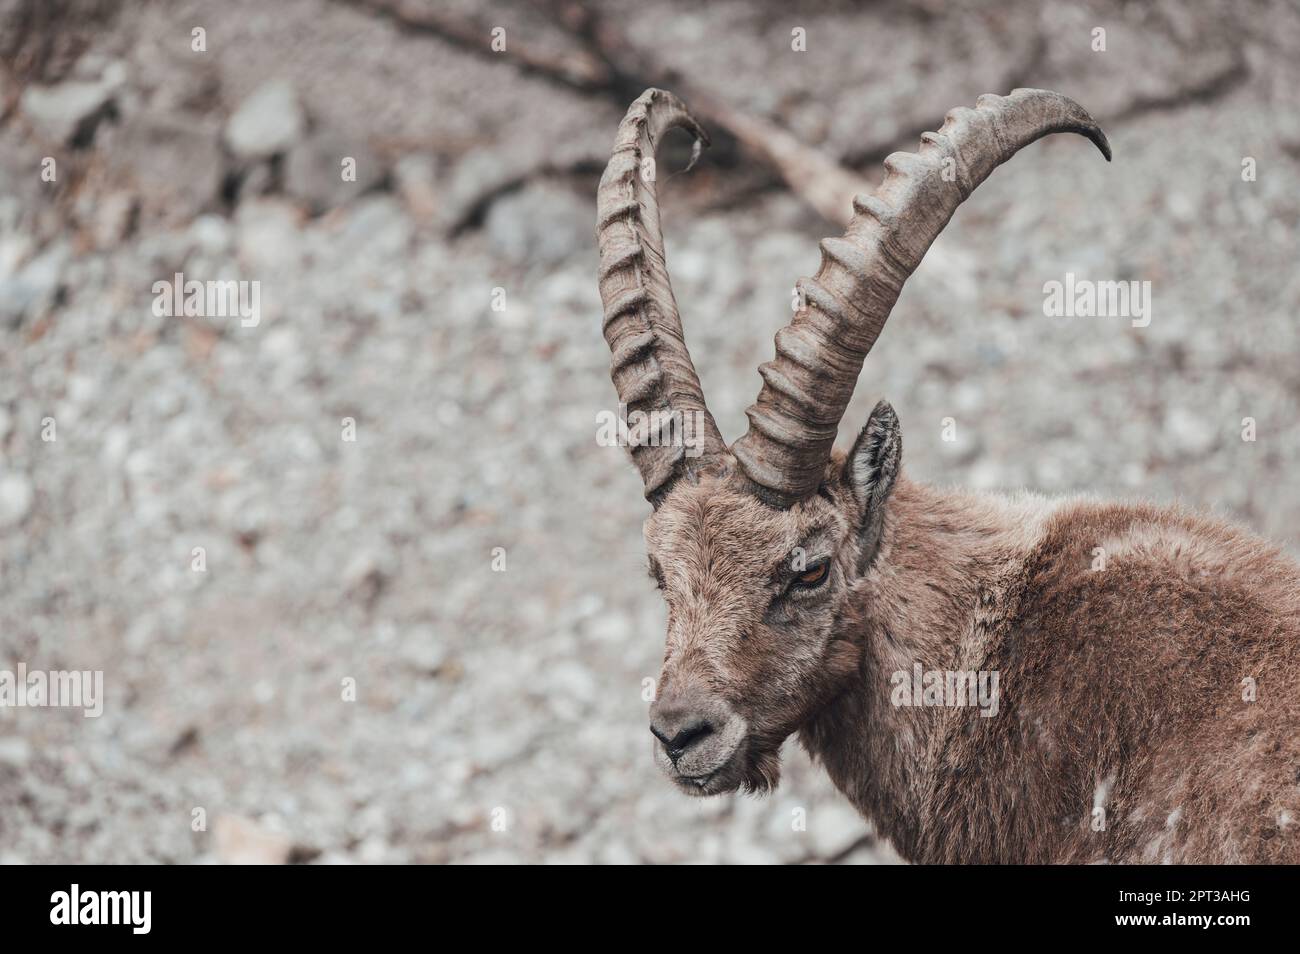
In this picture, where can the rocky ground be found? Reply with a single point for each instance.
(471, 563)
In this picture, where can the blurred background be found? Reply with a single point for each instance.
(473, 559)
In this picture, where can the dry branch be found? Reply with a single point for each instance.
(609, 64)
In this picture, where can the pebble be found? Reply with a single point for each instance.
(15, 751)
(268, 122)
(16, 497)
(68, 113)
(1189, 432)
(540, 224)
(242, 841)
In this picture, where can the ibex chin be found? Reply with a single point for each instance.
(1147, 659)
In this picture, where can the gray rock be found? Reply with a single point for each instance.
(16, 496)
(268, 122)
(267, 234)
(1189, 434)
(540, 224)
(478, 174)
(313, 170)
(368, 572)
(210, 235)
(378, 226)
(415, 177)
(15, 751)
(422, 650)
(242, 841)
(34, 288)
(69, 112)
(114, 218)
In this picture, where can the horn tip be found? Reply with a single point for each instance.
(1103, 144)
(1096, 137)
(682, 116)
(1079, 119)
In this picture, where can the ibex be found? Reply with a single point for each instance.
(1147, 658)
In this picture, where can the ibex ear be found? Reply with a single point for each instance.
(869, 473)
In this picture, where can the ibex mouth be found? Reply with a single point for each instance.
(724, 777)
(714, 783)
(714, 772)
(699, 739)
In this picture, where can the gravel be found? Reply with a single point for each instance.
(16, 496)
(67, 113)
(267, 122)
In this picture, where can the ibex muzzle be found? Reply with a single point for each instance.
(698, 739)
(804, 584)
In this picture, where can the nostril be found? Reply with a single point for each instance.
(684, 738)
(677, 745)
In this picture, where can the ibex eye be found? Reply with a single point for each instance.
(812, 577)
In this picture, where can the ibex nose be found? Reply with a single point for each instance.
(699, 734)
(683, 719)
(676, 743)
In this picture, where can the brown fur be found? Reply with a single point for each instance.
(1120, 688)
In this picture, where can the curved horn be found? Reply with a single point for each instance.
(819, 354)
(651, 369)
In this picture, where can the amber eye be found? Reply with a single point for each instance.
(813, 577)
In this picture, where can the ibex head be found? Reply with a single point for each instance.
(758, 547)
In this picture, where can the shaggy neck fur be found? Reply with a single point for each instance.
(940, 586)
(1124, 731)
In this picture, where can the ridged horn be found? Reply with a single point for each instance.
(819, 354)
(651, 368)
